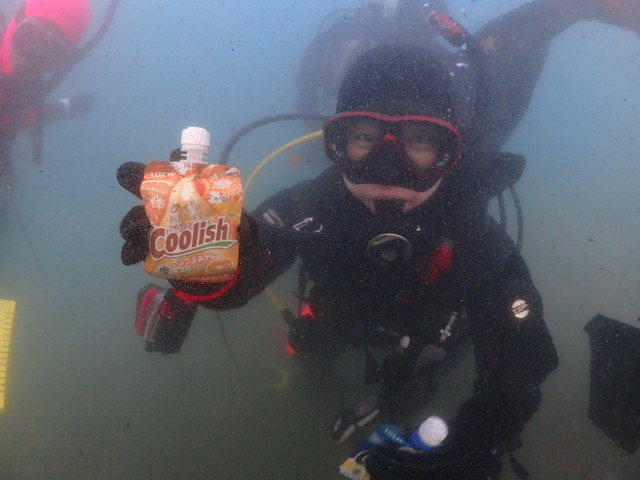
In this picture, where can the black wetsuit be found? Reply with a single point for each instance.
(486, 289)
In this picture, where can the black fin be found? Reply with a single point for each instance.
(615, 380)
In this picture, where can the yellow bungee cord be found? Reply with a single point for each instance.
(305, 138)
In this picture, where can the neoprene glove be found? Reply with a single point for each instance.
(135, 226)
(134, 229)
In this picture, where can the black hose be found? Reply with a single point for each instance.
(226, 151)
(503, 214)
(503, 210)
(328, 16)
(518, 205)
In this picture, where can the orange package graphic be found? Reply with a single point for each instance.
(195, 210)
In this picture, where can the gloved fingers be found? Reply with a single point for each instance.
(135, 224)
(130, 176)
(175, 155)
(133, 252)
(134, 228)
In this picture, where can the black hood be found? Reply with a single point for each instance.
(398, 80)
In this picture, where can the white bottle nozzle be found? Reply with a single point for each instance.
(195, 144)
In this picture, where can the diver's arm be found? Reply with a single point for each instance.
(514, 351)
(265, 253)
(516, 45)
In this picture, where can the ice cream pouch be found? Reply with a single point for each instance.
(195, 210)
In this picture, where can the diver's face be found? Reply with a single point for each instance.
(391, 157)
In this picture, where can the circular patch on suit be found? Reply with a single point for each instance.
(520, 309)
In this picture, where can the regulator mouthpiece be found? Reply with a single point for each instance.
(195, 145)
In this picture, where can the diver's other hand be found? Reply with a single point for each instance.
(134, 229)
(80, 105)
(459, 456)
(480, 457)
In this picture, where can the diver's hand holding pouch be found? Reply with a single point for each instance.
(195, 210)
(194, 213)
(614, 404)
(134, 229)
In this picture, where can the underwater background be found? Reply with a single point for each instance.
(85, 401)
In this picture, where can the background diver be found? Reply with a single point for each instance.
(38, 48)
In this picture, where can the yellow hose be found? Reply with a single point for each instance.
(305, 138)
(274, 154)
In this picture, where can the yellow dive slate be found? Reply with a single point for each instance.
(353, 470)
(7, 310)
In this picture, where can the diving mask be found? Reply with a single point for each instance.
(362, 144)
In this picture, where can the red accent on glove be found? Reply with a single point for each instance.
(188, 298)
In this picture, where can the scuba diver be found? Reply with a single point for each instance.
(516, 45)
(38, 47)
(404, 262)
